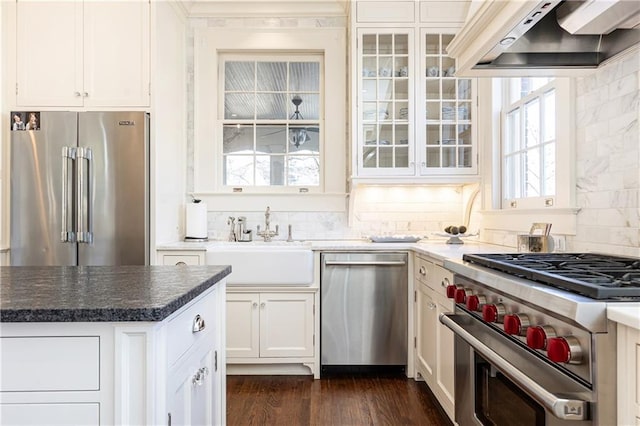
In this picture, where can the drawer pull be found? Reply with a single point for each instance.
(198, 324)
(423, 271)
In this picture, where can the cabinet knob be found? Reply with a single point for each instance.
(431, 305)
(198, 324)
(423, 271)
(180, 263)
(263, 304)
(85, 94)
(77, 94)
(198, 378)
(445, 282)
(255, 305)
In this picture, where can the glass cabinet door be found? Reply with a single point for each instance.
(446, 144)
(385, 142)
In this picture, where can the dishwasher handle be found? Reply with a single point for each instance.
(365, 263)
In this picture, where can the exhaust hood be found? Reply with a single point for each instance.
(555, 37)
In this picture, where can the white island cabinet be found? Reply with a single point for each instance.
(159, 361)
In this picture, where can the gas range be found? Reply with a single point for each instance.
(546, 310)
(597, 276)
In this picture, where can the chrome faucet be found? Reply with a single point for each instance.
(267, 234)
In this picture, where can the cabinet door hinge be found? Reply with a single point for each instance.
(314, 309)
(314, 340)
(168, 419)
(149, 90)
(415, 342)
(215, 361)
(16, 88)
(415, 296)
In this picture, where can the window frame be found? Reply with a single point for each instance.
(287, 122)
(206, 183)
(563, 196)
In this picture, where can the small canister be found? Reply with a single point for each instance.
(534, 243)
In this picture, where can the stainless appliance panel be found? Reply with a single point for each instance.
(364, 309)
(36, 191)
(557, 395)
(116, 205)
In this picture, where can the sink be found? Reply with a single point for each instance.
(274, 263)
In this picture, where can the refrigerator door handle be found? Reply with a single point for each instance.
(85, 235)
(66, 236)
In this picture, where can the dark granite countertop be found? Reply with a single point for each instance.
(101, 293)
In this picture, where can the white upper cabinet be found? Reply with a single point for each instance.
(413, 118)
(385, 128)
(82, 54)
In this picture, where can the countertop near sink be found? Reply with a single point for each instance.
(437, 249)
(101, 293)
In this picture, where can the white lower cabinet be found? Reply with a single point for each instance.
(271, 327)
(434, 344)
(628, 375)
(104, 373)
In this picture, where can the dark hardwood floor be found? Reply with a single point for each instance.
(337, 400)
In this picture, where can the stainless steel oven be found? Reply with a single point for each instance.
(497, 384)
(528, 354)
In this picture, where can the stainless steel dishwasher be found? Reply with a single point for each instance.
(363, 311)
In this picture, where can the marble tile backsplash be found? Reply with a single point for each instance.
(376, 211)
(608, 159)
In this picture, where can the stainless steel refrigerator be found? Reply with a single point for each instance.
(80, 189)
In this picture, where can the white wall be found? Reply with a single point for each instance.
(169, 122)
(608, 159)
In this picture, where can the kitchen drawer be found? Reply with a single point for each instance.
(180, 332)
(187, 259)
(50, 414)
(179, 257)
(50, 363)
(420, 270)
(438, 278)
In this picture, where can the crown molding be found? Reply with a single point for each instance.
(266, 8)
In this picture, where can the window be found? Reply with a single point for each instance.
(271, 124)
(531, 143)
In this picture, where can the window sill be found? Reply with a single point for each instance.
(246, 202)
(564, 220)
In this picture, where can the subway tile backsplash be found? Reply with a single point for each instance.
(608, 159)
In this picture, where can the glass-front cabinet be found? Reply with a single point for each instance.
(446, 109)
(414, 116)
(385, 103)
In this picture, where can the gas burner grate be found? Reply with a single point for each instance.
(590, 274)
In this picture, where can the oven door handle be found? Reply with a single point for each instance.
(562, 408)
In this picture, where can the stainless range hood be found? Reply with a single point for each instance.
(545, 38)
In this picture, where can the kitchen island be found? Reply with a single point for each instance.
(112, 345)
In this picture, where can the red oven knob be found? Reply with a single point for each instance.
(537, 336)
(451, 291)
(476, 302)
(516, 324)
(462, 294)
(564, 349)
(493, 313)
